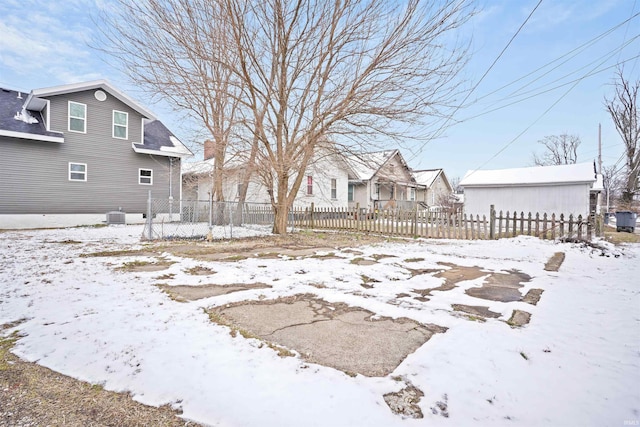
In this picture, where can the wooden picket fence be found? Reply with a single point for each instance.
(424, 223)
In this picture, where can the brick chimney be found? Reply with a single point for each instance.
(209, 149)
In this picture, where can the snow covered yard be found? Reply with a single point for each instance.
(107, 320)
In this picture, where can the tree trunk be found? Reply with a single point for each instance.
(281, 207)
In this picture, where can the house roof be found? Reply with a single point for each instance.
(17, 122)
(160, 141)
(21, 117)
(427, 176)
(538, 175)
(35, 100)
(201, 167)
(366, 165)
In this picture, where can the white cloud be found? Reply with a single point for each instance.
(51, 45)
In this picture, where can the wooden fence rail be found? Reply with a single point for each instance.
(423, 223)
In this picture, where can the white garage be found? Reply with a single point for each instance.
(564, 189)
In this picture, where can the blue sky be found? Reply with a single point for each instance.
(46, 44)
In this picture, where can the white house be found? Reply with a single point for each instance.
(564, 189)
(380, 180)
(434, 187)
(324, 184)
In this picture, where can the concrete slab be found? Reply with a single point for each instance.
(555, 262)
(476, 310)
(336, 335)
(405, 402)
(501, 286)
(533, 296)
(191, 293)
(519, 318)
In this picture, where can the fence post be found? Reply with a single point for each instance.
(492, 222)
(311, 216)
(149, 217)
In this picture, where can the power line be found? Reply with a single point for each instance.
(579, 48)
(590, 74)
(450, 116)
(533, 123)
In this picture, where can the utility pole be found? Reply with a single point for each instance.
(599, 202)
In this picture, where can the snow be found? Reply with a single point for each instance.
(25, 116)
(561, 174)
(426, 177)
(365, 165)
(87, 320)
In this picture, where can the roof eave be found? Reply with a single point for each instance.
(32, 136)
(94, 84)
(165, 153)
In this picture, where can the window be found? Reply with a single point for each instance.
(412, 194)
(145, 176)
(391, 192)
(334, 188)
(239, 189)
(77, 117)
(77, 171)
(350, 192)
(309, 185)
(120, 124)
(376, 190)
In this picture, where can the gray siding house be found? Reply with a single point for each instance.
(69, 154)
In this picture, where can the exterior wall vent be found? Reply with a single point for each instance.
(116, 217)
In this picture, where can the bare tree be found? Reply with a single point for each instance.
(310, 76)
(623, 108)
(171, 48)
(611, 181)
(455, 184)
(328, 73)
(559, 150)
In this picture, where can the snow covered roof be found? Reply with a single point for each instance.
(538, 175)
(18, 122)
(427, 176)
(160, 141)
(201, 167)
(365, 165)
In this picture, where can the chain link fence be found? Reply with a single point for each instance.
(168, 219)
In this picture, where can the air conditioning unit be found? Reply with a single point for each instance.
(116, 217)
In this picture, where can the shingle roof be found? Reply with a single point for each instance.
(426, 177)
(13, 124)
(160, 141)
(562, 174)
(365, 165)
(19, 122)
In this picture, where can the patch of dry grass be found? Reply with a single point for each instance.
(32, 395)
(621, 237)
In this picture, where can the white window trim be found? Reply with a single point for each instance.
(69, 117)
(331, 188)
(85, 172)
(113, 125)
(48, 114)
(140, 176)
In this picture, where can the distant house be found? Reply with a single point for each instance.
(381, 180)
(70, 154)
(324, 183)
(564, 189)
(433, 188)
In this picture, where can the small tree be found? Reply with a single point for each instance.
(559, 150)
(623, 108)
